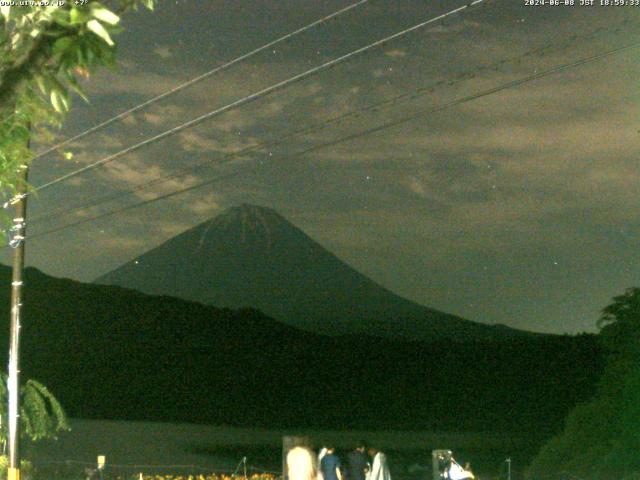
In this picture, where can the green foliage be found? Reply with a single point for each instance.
(26, 468)
(41, 415)
(620, 324)
(602, 438)
(44, 51)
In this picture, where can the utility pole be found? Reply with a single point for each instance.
(17, 241)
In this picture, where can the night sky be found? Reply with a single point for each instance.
(521, 207)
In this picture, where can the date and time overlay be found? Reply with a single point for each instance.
(527, 3)
(43, 3)
(582, 3)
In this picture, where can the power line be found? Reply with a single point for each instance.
(385, 103)
(250, 98)
(505, 86)
(136, 205)
(199, 78)
(362, 133)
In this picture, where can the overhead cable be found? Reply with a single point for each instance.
(199, 78)
(314, 128)
(362, 133)
(250, 98)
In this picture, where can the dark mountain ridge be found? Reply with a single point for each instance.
(251, 256)
(113, 353)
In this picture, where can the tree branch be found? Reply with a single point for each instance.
(20, 73)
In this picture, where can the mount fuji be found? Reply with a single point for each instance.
(251, 256)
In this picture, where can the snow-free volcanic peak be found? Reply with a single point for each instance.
(252, 222)
(251, 256)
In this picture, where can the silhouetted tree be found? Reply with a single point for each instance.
(44, 51)
(41, 415)
(602, 438)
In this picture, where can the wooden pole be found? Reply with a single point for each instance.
(13, 382)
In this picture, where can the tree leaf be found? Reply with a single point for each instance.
(5, 10)
(58, 100)
(97, 28)
(61, 45)
(73, 85)
(41, 82)
(76, 16)
(104, 15)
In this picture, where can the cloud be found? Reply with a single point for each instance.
(142, 83)
(396, 53)
(507, 181)
(205, 205)
(153, 118)
(163, 52)
(516, 165)
(417, 187)
(456, 27)
(163, 114)
(231, 147)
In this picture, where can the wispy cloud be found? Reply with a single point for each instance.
(163, 52)
(396, 53)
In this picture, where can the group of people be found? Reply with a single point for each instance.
(449, 469)
(455, 472)
(362, 463)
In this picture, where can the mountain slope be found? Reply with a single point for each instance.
(252, 257)
(114, 353)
